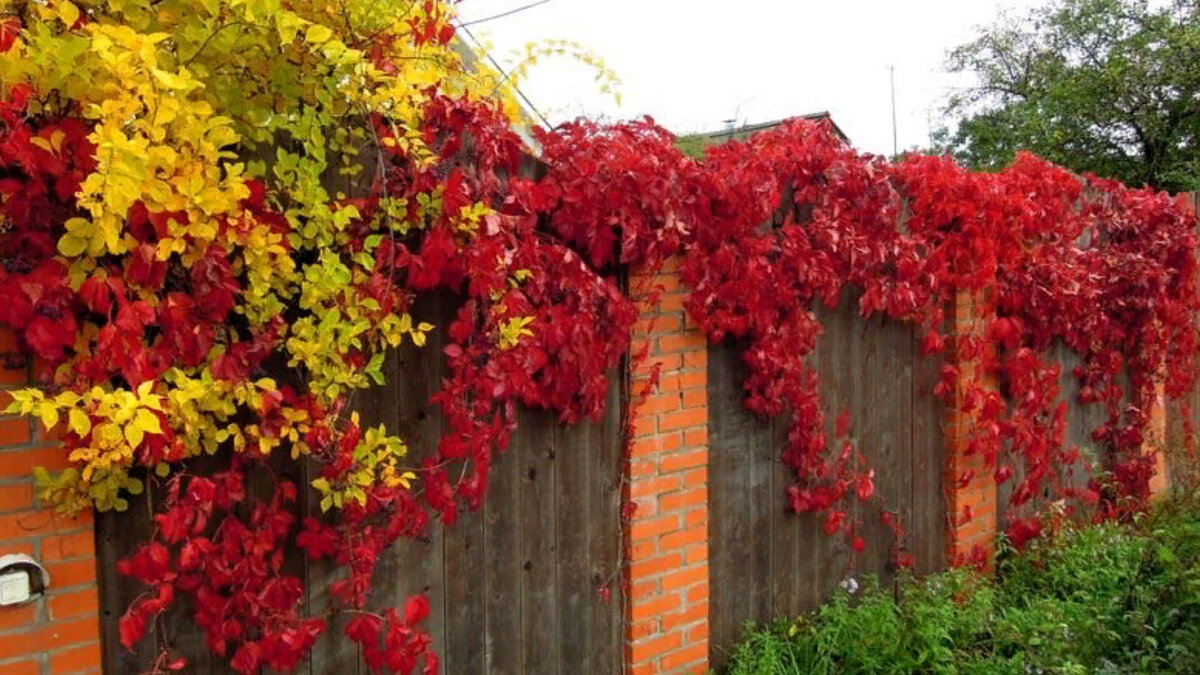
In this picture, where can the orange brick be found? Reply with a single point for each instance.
(694, 656)
(683, 419)
(684, 460)
(81, 659)
(688, 615)
(683, 538)
(640, 468)
(677, 501)
(659, 644)
(81, 544)
(643, 589)
(694, 360)
(642, 569)
(77, 573)
(75, 603)
(699, 631)
(24, 667)
(647, 668)
(643, 629)
(697, 517)
(684, 577)
(696, 477)
(644, 426)
(26, 524)
(696, 438)
(16, 497)
(641, 550)
(20, 463)
(697, 553)
(697, 593)
(11, 547)
(658, 324)
(671, 302)
(655, 607)
(45, 638)
(14, 431)
(655, 486)
(12, 618)
(695, 397)
(14, 376)
(659, 404)
(656, 444)
(652, 527)
(678, 342)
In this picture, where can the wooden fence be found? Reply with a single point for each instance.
(766, 562)
(514, 588)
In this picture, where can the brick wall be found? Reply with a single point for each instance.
(976, 498)
(59, 634)
(667, 536)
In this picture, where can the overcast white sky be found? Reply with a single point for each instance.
(694, 64)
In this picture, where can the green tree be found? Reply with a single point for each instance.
(1105, 86)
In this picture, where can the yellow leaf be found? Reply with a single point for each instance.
(79, 422)
(49, 415)
(147, 421)
(133, 435)
(317, 34)
(71, 246)
(68, 12)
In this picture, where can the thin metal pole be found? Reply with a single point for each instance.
(895, 136)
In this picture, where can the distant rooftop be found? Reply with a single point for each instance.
(694, 144)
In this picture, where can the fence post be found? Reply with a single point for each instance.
(976, 497)
(666, 537)
(58, 633)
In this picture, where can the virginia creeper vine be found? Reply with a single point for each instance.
(218, 216)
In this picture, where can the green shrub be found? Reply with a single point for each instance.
(1106, 599)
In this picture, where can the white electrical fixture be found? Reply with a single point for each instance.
(22, 579)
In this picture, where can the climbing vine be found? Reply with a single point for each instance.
(218, 215)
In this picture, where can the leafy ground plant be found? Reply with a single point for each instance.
(1102, 599)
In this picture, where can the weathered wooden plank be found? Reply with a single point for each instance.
(116, 535)
(729, 454)
(786, 529)
(539, 631)
(502, 537)
(464, 581)
(928, 525)
(762, 504)
(575, 598)
(604, 546)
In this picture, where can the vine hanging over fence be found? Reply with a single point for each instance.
(218, 216)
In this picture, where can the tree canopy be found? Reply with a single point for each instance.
(1104, 86)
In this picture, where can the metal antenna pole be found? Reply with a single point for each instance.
(895, 136)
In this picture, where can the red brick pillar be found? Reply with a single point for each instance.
(59, 633)
(667, 536)
(1156, 442)
(977, 496)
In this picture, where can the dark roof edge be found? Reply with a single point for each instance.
(751, 128)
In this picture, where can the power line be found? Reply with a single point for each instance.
(504, 75)
(504, 14)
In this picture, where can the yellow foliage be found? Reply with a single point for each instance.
(187, 100)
